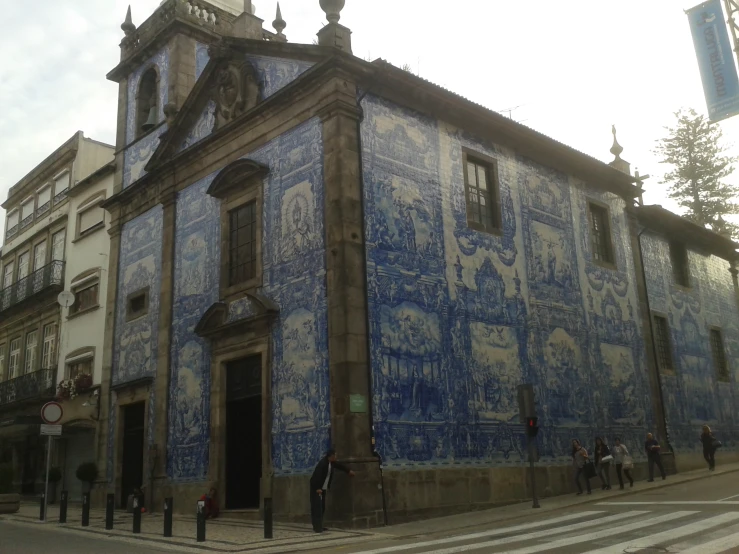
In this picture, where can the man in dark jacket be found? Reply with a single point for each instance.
(320, 482)
(651, 446)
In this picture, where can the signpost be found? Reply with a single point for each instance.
(51, 413)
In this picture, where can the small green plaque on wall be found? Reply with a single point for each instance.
(358, 404)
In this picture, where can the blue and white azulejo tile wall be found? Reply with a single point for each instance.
(692, 393)
(293, 278)
(459, 318)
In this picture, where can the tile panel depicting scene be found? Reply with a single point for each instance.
(693, 395)
(135, 341)
(459, 318)
(294, 278)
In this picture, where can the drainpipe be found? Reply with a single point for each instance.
(654, 343)
(366, 295)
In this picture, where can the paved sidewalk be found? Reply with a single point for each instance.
(222, 534)
(239, 536)
(460, 522)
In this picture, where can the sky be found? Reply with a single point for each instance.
(569, 69)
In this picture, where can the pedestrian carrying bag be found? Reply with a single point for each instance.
(589, 470)
(606, 459)
(716, 444)
(628, 463)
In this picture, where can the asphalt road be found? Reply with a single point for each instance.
(25, 539)
(699, 517)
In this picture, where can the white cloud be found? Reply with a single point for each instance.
(573, 67)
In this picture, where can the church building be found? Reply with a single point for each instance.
(309, 250)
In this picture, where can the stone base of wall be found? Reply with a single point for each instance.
(695, 460)
(416, 493)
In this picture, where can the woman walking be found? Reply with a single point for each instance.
(579, 458)
(709, 447)
(603, 460)
(623, 463)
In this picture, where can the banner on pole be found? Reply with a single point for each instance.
(715, 59)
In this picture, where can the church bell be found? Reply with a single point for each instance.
(151, 121)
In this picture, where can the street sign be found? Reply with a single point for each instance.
(51, 430)
(52, 413)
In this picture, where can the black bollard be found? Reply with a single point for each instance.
(86, 509)
(168, 508)
(267, 518)
(136, 514)
(201, 521)
(41, 508)
(109, 507)
(63, 507)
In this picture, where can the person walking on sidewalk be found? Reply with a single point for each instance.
(603, 459)
(651, 446)
(320, 482)
(579, 459)
(709, 447)
(623, 463)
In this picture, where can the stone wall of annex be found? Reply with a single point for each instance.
(693, 395)
(459, 318)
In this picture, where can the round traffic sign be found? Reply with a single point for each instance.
(52, 413)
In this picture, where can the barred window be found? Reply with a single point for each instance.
(243, 243)
(719, 355)
(662, 340)
(600, 234)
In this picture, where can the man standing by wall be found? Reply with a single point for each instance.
(320, 482)
(653, 455)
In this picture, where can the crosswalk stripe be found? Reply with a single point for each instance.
(569, 541)
(716, 546)
(507, 540)
(506, 530)
(673, 503)
(672, 534)
(728, 498)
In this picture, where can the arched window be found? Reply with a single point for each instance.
(147, 103)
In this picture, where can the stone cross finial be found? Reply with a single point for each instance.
(333, 9)
(279, 23)
(128, 26)
(616, 149)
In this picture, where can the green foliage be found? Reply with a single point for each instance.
(87, 472)
(6, 478)
(699, 168)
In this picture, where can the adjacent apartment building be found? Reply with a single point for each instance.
(54, 241)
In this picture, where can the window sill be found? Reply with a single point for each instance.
(87, 232)
(495, 231)
(606, 265)
(235, 292)
(134, 317)
(684, 288)
(725, 380)
(83, 312)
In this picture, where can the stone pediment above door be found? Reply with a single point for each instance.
(223, 317)
(227, 88)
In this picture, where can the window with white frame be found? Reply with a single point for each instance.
(2, 362)
(8, 274)
(85, 297)
(57, 245)
(90, 218)
(39, 255)
(61, 186)
(12, 224)
(48, 356)
(14, 358)
(27, 213)
(23, 264)
(44, 200)
(31, 344)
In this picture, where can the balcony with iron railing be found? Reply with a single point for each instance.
(37, 385)
(45, 279)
